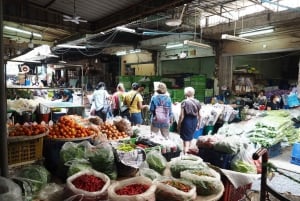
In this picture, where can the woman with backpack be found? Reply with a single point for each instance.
(117, 99)
(189, 118)
(161, 111)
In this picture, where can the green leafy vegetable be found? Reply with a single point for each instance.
(156, 161)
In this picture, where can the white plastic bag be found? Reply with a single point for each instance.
(207, 181)
(89, 196)
(243, 162)
(148, 195)
(9, 190)
(167, 192)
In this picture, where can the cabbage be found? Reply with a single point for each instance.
(156, 161)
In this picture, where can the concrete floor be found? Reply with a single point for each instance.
(280, 183)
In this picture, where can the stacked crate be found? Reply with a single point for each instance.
(177, 95)
(198, 82)
(127, 81)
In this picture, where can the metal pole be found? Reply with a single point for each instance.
(3, 131)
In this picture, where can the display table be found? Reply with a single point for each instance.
(68, 105)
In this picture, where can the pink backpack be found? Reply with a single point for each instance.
(162, 113)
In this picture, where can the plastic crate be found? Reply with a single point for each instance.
(26, 151)
(231, 193)
(295, 156)
(274, 150)
(216, 158)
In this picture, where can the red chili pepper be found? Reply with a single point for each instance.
(133, 189)
(88, 183)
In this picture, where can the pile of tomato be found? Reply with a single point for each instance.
(27, 130)
(88, 183)
(68, 127)
(133, 189)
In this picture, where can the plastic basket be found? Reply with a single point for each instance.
(231, 193)
(295, 156)
(25, 151)
(274, 150)
(216, 158)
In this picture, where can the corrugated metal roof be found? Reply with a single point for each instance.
(90, 10)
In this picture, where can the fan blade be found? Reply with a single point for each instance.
(82, 20)
(68, 20)
(75, 21)
(67, 17)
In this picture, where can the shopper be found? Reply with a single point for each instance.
(189, 118)
(101, 98)
(134, 100)
(274, 103)
(67, 95)
(161, 111)
(117, 99)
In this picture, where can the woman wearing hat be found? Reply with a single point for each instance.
(161, 99)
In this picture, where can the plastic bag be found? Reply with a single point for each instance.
(243, 161)
(188, 162)
(229, 145)
(156, 161)
(77, 165)
(151, 174)
(37, 176)
(49, 191)
(71, 151)
(148, 195)
(167, 191)
(207, 181)
(89, 196)
(102, 159)
(9, 190)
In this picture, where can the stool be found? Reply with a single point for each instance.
(296, 154)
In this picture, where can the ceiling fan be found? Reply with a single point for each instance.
(75, 18)
(176, 21)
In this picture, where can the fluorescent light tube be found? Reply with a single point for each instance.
(125, 29)
(254, 33)
(22, 31)
(134, 51)
(121, 53)
(71, 46)
(236, 38)
(174, 45)
(196, 44)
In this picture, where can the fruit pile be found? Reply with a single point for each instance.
(112, 132)
(70, 126)
(27, 130)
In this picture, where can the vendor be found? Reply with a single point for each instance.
(261, 100)
(67, 95)
(274, 103)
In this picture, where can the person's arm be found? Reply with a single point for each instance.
(181, 116)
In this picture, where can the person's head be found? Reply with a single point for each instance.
(275, 98)
(100, 85)
(189, 91)
(261, 92)
(141, 88)
(120, 87)
(135, 86)
(161, 88)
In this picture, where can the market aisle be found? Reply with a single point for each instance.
(281, 183)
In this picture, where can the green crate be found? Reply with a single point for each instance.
(155, 78)
(137, 78)
(187, 79)
(198, 84)
(187, 83)
(209, 92)
(125, 78)
(198, 78)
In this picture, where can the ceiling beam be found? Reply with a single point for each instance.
(22, 11)
(49, 4)
(135, 12)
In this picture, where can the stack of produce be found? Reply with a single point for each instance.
(27, 129)
(111, 132)
(272, 129)
(71, 126)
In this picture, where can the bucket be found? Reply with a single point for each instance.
(208, 129)
(295, 156)
(44, 117)
(198, 133)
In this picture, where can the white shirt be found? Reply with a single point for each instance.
(100, 98)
